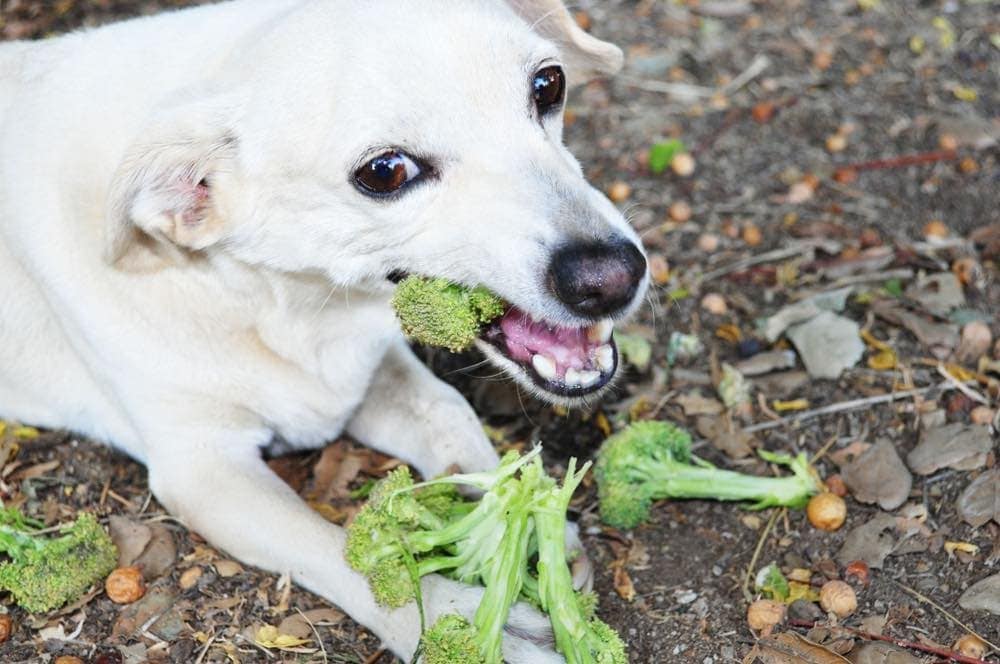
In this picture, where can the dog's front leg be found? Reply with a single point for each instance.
(411, 414)
(220, 487)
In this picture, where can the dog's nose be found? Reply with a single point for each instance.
(597, 278)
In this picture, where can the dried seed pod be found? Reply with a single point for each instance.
(752, 235)
(125, 585)
(714, 303)
(838, 597)
(6, 626)
(826, 511)
(970, 645)
(68, 659)
(680, 212)
(708, 242)
(859, 571)
(683, 164)
(765, 614)
(619, 191)
(836, 143)
(659, 269)
(935, 229)
(835, 485)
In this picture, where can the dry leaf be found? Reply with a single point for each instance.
(790, 648)
(623, 584)
(268, 636)
(130, 536)
(954, 446)
(980, 502)
(879, 475)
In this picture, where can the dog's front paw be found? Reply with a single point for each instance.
(527, 636)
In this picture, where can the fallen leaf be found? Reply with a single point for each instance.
(983, 595)
(227, 568)
(879, 475)
(302, 624)
(764, 363)
(790, 648)
(694, 403)
(727, 436)
(827, 344)
(130, 536)
(733, 388)
(882, 653)
(939, 338)
(980, 502)
(775, 325)
(937, 293)
(623, 584)
(155, 603)
(956, 446)
(869, 542)
(268, 636)
(160, 553)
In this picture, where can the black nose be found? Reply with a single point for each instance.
(596, 278)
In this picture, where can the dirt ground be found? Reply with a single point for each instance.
(756, 91)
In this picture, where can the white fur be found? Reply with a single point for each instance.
(191, 332)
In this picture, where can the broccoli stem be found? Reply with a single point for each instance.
(673, 479)
(555, 584)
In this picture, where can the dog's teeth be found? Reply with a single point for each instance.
(573, 378)
(545, 366)
(589, 378)
(606, 357)
(600, 333)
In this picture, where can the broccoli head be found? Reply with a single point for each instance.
(451, 640)
(649, 461)
(44, 573)
(437, 312)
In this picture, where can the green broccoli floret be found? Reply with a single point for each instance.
(451, 640)
(650, 461)
(437, 312)
(581, 638)
(44, 573)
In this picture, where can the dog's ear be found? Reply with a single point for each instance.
(160, 207)
(586, 57)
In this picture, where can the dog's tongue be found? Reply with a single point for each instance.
(554, 350)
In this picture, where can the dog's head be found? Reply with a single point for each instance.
(368, 140)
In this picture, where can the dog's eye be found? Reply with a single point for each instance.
(548, 89)
(386, 173)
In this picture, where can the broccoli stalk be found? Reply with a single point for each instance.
(580, 637)
(437, 312)
(650, 461)
(45, 573)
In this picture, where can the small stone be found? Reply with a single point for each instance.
(659, 269)
(752, 235)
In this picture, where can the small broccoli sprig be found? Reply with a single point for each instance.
(44, 573)
(650, 461)
(437, 312)
(580, 637)
(451, 640)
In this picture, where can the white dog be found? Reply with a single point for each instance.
(201, 214)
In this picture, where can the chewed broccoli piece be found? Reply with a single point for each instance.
(649, 461)
(44, 573)
(580, 637)
(437, 312)
(451, 640)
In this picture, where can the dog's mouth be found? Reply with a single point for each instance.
(564, 363)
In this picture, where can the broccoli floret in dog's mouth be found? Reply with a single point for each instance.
(439, 313)
(562, 361)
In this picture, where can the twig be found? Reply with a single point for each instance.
(844, 406)
(375, 656)
(319, 639)
(756, 552)
(902, 643)
(902, 161)
(755, 69)
(946, 614)
(766, 257)
(967, 391)
(683, 90)
(204, 649)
